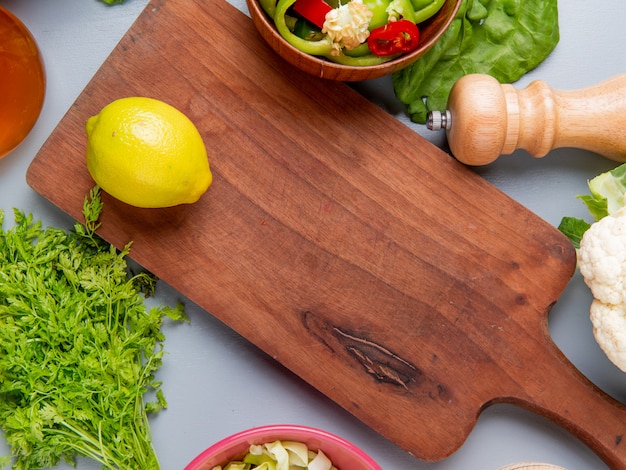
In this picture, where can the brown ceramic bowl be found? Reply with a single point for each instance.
(430, 31)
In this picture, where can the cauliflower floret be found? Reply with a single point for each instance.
(602, 258)
(609, 330)
(602, 263)
(347, 26)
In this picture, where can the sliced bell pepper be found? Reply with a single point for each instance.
(424, 12)
(323, 47)
(396, 37)
(378, 8)
(306, 30)
(401, 10)
(313, 11)
(269, 7)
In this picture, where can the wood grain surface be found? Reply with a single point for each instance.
(363, 258)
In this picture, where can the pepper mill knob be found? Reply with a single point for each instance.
(486, 119)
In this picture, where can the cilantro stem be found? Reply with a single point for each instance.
(78, 348)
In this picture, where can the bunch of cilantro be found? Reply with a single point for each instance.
(502, 38)
(78, 347)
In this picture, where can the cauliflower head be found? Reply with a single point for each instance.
(609, 330)
(602, 263)
(602, 258)
(348, 25)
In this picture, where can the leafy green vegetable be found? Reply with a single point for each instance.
(78, 348)
(502, 38)
(574, 228)
(607, 192)
(607, 197)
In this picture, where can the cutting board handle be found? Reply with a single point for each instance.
(557, 390)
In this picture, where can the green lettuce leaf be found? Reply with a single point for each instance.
(502, 38)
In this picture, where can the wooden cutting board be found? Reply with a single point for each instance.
(367, 261)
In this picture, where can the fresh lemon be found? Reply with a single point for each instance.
(147, 153)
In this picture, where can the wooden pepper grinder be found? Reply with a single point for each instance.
(486, 119)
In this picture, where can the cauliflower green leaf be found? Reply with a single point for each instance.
(607, 190)
(607, 193)
(574, 229)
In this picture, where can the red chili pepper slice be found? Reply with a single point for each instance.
(395, 37)
(313, 11)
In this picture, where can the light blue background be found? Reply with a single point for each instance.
(216, 382)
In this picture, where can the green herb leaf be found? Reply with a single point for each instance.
(78, 348)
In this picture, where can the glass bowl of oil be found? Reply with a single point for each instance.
(22, 81)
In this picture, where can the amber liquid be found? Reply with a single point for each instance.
(22, 82)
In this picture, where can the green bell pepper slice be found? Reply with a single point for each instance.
(268, 6)
(424, 12)
(322, 47)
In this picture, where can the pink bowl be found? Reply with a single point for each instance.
(343, 454)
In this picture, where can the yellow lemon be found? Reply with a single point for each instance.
(147, 153)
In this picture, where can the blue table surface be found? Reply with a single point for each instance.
(215, 381)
